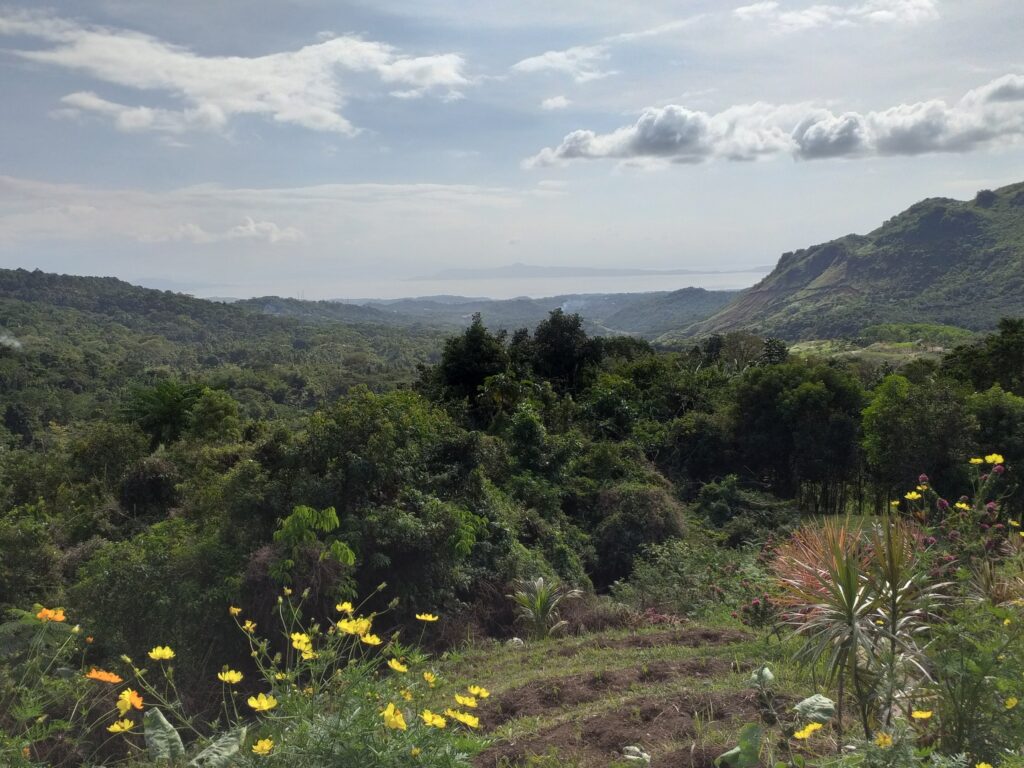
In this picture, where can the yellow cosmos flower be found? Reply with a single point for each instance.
(287, 592)
(921, 714)
(922, 487)
(301, 641)
(406, 694)
(806, 731)
(393, 718)
(121, 726)
(127, 700)
(161, 653)
(398, 666)
(103, 676)
(371, 639)
(994, 458)
(427, 617)
(263, 747)
(894, 503)
(912, 496)
(977, 461)
(249, 626)
(1014, 523)
(234, 610)
(883, 740)
(262, 703)
(354, 626)
(463, 717)
(983, 765)
(229, 676)
(465, 701)
(431, 678)
(345, 607)
(1007, 622)
(480, 693)
(963, 506)
(434, 721)
(48, 614)
(1011, 702)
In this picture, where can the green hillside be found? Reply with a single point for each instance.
(940, 261)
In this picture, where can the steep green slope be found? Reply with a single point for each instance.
(940, 261)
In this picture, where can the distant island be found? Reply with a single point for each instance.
(520, 270)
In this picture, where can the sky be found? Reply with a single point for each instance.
(337, 148)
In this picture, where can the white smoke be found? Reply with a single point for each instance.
(8, 341)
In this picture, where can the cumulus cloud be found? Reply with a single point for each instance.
(582, 63)
(825, 14)
(555, 102)
(989, 115)
(304, 87)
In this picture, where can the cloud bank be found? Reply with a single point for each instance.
(306, 87)
(990, 115)
(832, 15)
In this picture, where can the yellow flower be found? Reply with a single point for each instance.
(883, 740)
(463, 717)
(1014, 523)
(994, 458)
(48, 614)
(393, 717)
(121, 726)
(977, 461)
(301, 641)
(103, 676)
(415, 751)
(921, 714)
(963, 506)
(922, 487)
(263, 747)
(430, 677)
(806, 731)
(912, 496)
(249, 626)
(983, 765)
(1007, 622)
(229, 676)
(480, 693)
(398, 666)
(262, 703)
(161, 653)
(345, 607)
(127, 700)
(894, 503)
(465, 701)
(371, 639)
(354, 626)
(427, 617)
(234, 611)
(434, 721)
(1011, 702)
(406, 694)
(287, 592)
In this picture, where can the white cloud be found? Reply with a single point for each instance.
(582, 63)
(249, 229)
(989, 115)
(555, 102)
(303, 87)
(820, 14)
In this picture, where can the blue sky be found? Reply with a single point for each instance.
(317, 147)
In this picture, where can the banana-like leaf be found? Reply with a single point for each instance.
(162, 740)
(816, 709)
(220, 752)
(746, 754)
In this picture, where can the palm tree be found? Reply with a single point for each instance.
(537, 604)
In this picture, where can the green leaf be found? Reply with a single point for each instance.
(220, 752)
(747, 754)
(162, 741)
(816, 709)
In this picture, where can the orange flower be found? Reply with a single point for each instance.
(51, 614)
(103, 676)
(127, 700)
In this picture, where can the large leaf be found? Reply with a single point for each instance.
(162, 740)
(220, 752)
(746, 754)
(816, 709)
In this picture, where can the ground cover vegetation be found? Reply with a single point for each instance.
(650, 522)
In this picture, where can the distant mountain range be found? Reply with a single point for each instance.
(519, 270)
(940, 261)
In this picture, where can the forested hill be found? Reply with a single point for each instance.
(71, 346)
(941, 261)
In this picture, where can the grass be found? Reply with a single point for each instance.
(681, 695)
